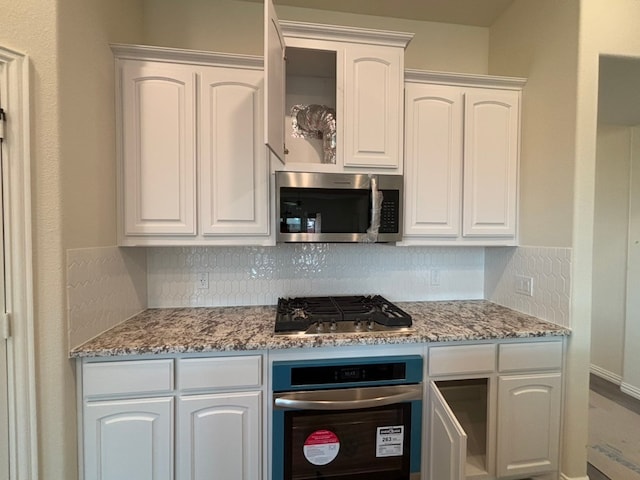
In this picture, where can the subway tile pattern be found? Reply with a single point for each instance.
(550, 269)
(259, 275)
(105, 286)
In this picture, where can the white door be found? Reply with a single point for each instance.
(528, 424)
(219, 437)
(4, 383)
(274, 81)
(374, 84)
(447, 443)
(159, 145)
(491, 143)
(129, 439)
(433, 160)
(234, 172)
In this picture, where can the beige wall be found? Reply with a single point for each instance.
(236, 26)
(611, 224)
(538, 41)
(72, 118)
(541, 41)
(631, 361)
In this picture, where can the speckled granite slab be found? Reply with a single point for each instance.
(188, 330)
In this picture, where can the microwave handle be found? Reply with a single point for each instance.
(348, 399)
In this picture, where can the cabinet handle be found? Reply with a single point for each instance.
(347, 399)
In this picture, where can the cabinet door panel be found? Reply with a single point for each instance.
(158, 142)
(433, 160)
(490, 163)
(219, 436)
(528, 424)
(129, 439)
(274, 72)
(447, 444)
(234, 175)
(373, 106)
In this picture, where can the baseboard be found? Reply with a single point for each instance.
(630, 390)
(606, 374)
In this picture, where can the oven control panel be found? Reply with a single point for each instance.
(298, 375)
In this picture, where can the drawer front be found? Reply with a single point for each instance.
(462, 359)
(220, 372)
(129, 377)
(530, 356)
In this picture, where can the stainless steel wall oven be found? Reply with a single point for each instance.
(347, 419)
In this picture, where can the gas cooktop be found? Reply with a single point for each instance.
(339, 314)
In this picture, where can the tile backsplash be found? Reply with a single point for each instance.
(259, 275)
(550, 271)
(105, 286)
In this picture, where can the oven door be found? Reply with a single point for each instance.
(370, 433)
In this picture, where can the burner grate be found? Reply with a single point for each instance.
(310, 314)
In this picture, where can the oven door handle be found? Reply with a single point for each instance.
(348, 398)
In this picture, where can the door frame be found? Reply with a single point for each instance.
(23, 446)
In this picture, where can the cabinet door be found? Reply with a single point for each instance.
(373, 93)
(447, 443)
(234, 172)
(528, 424)
(158, 148)
(433, 160)
(128, 439)
(491, 142)
(219, 436)
(274, 73)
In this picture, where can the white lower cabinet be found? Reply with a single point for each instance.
(129, 439)
(163, 419)
(529, 424)
(483, 423)
(219, 436)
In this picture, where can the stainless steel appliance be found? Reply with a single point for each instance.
(340, 314)
(347, 419)
(336, 207)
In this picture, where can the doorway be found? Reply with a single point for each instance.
(615, 325)
(18, 442)
(615, 355)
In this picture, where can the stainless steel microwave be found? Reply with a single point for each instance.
(338, 207)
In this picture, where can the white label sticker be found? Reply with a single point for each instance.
(321, 447)
(389, 441)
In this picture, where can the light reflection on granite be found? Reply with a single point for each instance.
(188, 330)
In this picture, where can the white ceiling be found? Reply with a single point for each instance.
(481, 13)
(619, 91)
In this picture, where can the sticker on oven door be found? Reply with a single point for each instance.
(389, 441)
(321, 447)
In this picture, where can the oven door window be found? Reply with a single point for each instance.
(370, 444)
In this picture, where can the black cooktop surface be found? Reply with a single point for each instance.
(339, 314)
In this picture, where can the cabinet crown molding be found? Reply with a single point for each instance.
(464, 79)
(191, 57)
(339, 33)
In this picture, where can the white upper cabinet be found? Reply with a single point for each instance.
(193, 168)
(373, 106)
(433, 170)
(491, 146)
(461, 159)
(158, 111)
(234, 174)
(346, 84)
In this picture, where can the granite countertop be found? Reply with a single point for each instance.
(211, 329)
